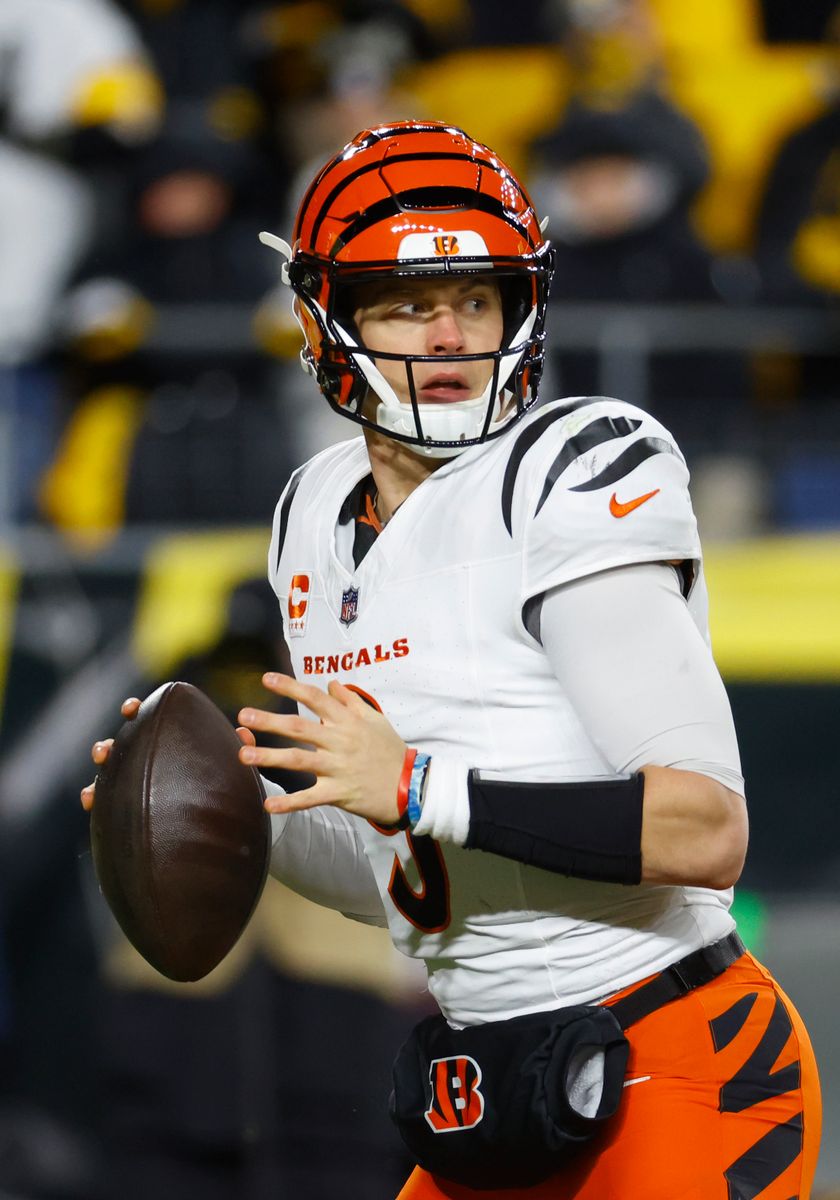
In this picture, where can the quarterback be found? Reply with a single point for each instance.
(524, 756)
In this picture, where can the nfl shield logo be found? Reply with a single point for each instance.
(349, 606)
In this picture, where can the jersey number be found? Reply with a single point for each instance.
(426, 906)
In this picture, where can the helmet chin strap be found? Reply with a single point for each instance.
(460, 420)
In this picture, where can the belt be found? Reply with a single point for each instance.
(681, 977)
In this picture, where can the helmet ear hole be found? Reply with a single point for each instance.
(346, 303)
(517, 302)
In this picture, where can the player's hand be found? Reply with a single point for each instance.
(100, 750)
(356, 756)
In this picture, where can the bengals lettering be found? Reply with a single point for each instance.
(331, 664)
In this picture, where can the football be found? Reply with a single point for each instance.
(179, 834)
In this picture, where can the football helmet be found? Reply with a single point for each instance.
(407, 199)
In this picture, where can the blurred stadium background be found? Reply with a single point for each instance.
(151, 410)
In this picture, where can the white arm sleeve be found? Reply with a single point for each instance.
(318, 853)
(640, 674)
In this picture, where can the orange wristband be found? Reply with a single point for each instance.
(405, 780)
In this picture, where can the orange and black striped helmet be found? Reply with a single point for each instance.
(418, 198)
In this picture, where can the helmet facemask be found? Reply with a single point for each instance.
(350, 377)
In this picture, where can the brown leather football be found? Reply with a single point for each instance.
(180, 837)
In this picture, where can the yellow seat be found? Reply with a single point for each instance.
(505, 97)
(745, 104)
(712, 26)
(744, 96)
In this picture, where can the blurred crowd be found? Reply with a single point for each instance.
(688, 159)
(144, 352)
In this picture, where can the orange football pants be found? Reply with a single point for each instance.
(721, 1102)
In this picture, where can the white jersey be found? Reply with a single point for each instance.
(431, 626)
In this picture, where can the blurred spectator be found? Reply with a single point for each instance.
(188, 426)
(798, 239)
(202, 53)
(46, 210)
(195, 434)
(798, 244)
(798, 253)
(68, 68)
(612, 46)
(619, 172)
(617, 182)
(333, 68)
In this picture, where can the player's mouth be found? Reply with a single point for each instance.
(444, 388)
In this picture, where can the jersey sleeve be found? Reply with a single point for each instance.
(605, 486)
(655, 697)
(279, 528)
(319, 854)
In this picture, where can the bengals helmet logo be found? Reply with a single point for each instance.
(457, 1102)
(446, 244)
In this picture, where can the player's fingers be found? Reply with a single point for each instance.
(245, 736)
(293, 759)
(312, 797)
(100, 750)
(296, 728)
(339, 692)
(313, 698)
(86, 796)
(348, 697)
(130, 707)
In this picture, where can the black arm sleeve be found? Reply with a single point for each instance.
(591, 829)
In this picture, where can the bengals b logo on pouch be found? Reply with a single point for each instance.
(457, 1102)
(446, 244)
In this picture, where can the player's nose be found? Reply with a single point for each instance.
(443, 333)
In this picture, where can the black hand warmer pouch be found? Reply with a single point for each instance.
(502, 1105)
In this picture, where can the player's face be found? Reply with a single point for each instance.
(438, 318)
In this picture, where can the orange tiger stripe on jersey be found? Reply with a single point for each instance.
(369, 516)
(724, 1103)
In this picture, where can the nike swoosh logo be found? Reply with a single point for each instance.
(621, 510)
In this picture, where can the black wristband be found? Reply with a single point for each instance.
(591, 829)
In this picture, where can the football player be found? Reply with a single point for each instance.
(524, 755)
